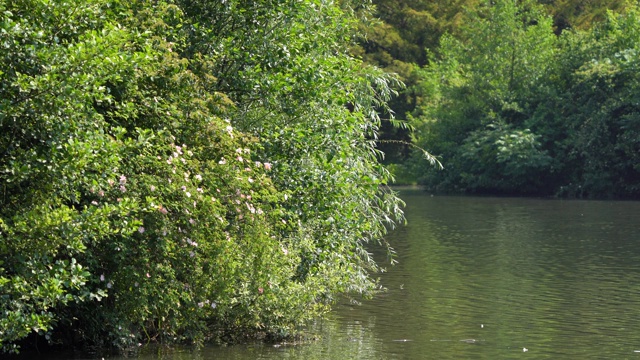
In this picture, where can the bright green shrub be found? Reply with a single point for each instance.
(159, 183)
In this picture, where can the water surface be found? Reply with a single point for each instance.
(489, 278)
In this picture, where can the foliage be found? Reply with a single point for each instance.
(408, 36)
(475, 100)
(593, 117)
(577, 14)
(512, 109)
(399, 42)
(183, 170)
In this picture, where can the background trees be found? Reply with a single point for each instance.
(477, 95)
(514, 109)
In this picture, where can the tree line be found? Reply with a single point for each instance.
(519, 97)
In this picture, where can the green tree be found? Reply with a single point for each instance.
(476, 96)
(589, 116)
(399, 43)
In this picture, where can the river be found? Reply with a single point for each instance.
(488, 278)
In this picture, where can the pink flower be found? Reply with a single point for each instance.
(122, 188)
(123, 179)
(260, 290)
(163, 210)
(141, 230)
(102, 277)
(152, 188)
(148, 275)
(267, 166)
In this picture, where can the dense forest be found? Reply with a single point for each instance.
(514, 97)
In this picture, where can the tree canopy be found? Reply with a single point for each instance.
(514, 109)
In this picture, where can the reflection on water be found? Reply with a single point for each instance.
(488, 278)
(557, 278)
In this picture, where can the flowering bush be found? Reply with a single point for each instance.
(144, 199)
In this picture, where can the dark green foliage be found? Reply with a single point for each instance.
(476, 101)
(580, 14)
(593, 119)
(178, 171)
(513, 110)
(399, 43)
